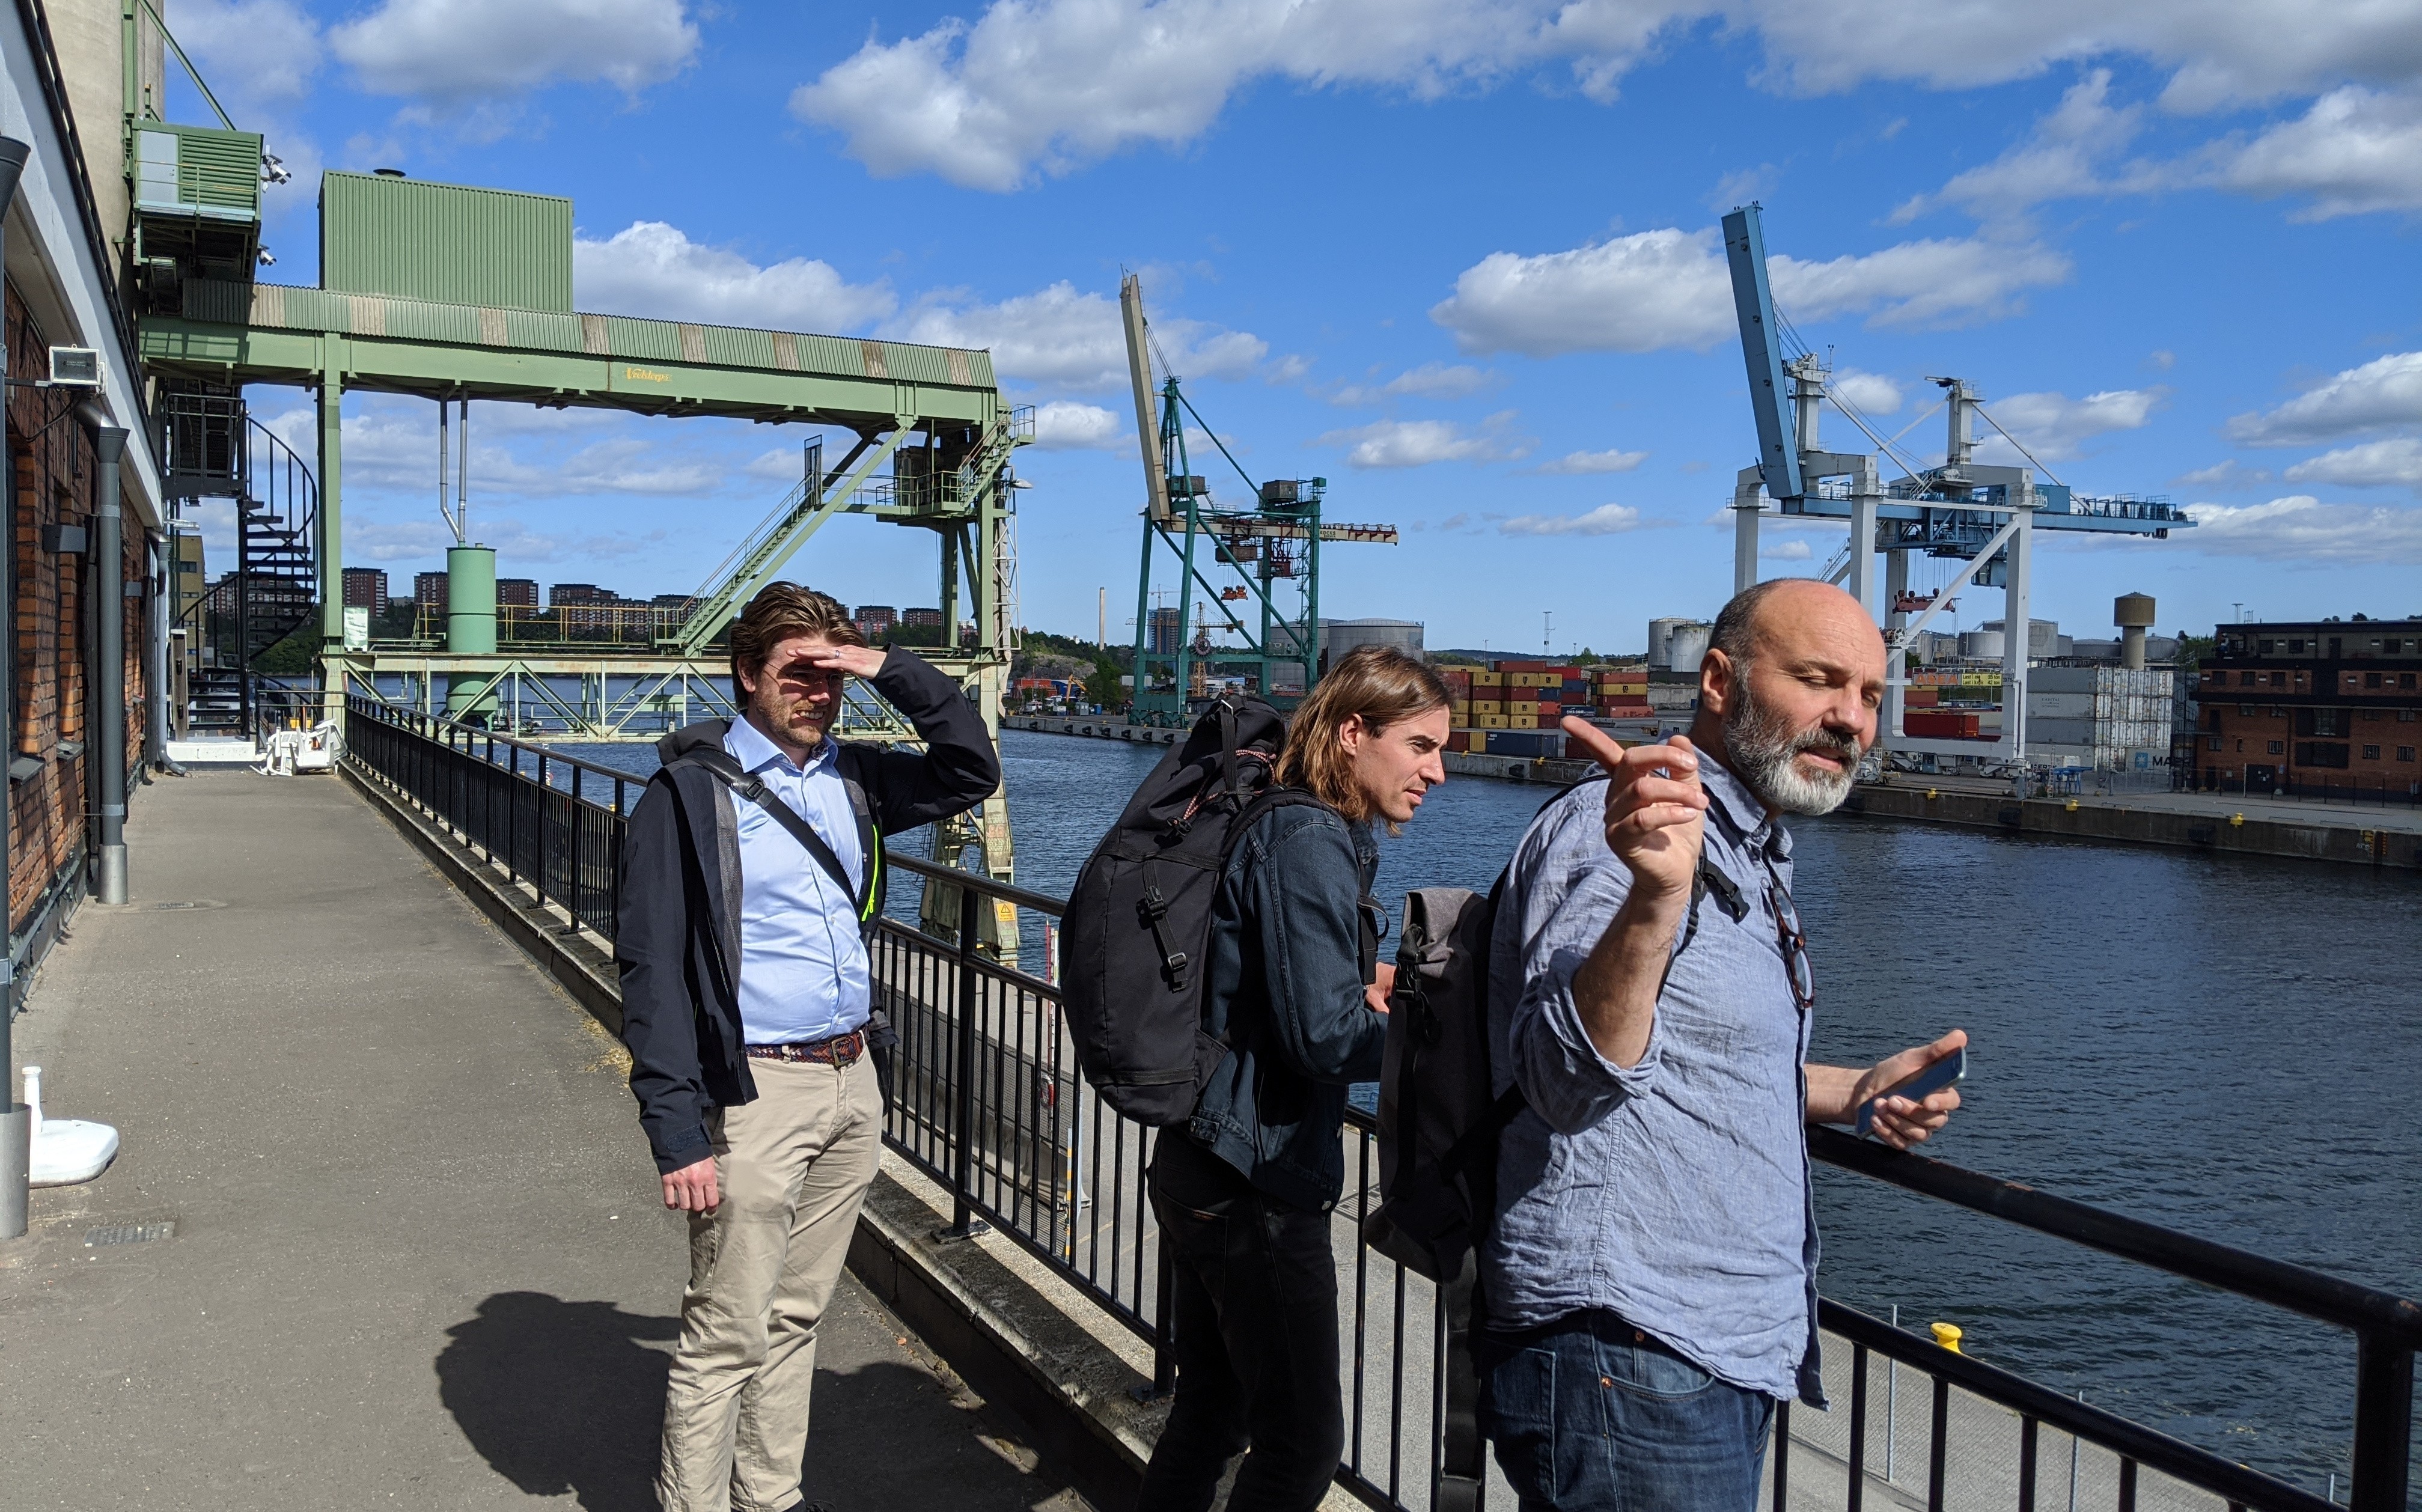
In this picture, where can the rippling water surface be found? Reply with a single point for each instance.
(2230, 1046)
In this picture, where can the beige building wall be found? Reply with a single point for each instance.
(89, 38)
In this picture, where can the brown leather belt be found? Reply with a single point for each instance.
(841, 1050)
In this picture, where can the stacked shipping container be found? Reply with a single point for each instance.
(1516, 707)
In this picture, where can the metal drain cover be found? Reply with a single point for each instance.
(129, 1234)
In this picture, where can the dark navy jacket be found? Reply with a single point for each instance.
(1285, 995)
(677, 934)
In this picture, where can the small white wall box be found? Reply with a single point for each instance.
(75, 368)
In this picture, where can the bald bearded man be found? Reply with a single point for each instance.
(1650, 1278)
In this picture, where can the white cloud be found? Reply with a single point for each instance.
(1050, 85)
(1060, 336)
(254, 51)
(458, 50)
(1419, 443)
(1043, 87)
(2356, 150)
(1870, 393)
(2383, 392)
(2054, 426)
(2300, 527)
(652, 270)
(1606, 519)
(1670, 288)
(1581, 463)
(2229, 474)
(2064, 156)
(1785, 551)
(2395, 460)
(1064, 425)
(1431, 379)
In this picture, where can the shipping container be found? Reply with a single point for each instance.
(1522, 721)
(1937, 725)
(1920, 698)
(1458, 740)
(1489, 721)
(1488, 679)
(1480, 706)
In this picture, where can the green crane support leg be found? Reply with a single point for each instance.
(331, 523)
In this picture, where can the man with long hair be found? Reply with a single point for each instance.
(1244, 1190)
(1650, 1278)
(752, 865)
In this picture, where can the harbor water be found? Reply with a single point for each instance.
(2231, 1048)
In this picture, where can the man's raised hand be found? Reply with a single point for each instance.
(1655, 809)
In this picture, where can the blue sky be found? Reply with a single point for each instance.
(1458, 258)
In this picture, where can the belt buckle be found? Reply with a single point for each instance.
(844, 1049)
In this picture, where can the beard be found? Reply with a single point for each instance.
(1764, 754)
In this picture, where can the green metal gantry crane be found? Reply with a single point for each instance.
(1266, 558)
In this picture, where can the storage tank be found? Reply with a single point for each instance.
(470, 626)
(1660, 643)
(1982, 645)
(1687, 646)
(1339, 636)
(2134, 614)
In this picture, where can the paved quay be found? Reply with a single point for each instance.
(418, 1257)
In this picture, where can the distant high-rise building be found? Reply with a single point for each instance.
(1166, 630)
(366, 589)
(563, 594)
(875, 620)
(428, 590)
(517, 593)
(922, 618)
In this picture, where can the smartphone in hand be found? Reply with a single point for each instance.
(1943, 1073)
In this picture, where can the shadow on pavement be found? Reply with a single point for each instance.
(561, 1396)
(569, 1397)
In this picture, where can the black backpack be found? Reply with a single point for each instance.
(1136, 934)
(1439, 1121)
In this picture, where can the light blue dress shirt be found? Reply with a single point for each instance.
(803, 971)
(1674, 1192)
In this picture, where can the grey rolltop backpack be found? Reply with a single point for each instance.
(1137, 932)
(1438, 1125)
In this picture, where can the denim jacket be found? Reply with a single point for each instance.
(1285, 996)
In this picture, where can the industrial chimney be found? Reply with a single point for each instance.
(2134, 614)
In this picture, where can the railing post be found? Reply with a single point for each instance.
(2383, 1423)
(964, 1223)
(1164, 1331)
(572, 854)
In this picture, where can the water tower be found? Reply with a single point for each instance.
(2134, 614)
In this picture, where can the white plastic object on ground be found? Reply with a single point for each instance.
(293, 752)
(66, 1150)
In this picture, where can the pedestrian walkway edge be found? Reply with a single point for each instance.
(984, 1305)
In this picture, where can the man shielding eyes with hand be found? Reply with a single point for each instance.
(1650, 1277)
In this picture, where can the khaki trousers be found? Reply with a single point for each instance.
(793, 1167)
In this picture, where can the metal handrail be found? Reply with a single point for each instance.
(941, 1142)
(2298, 1289)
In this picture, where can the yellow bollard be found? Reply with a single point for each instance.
(1931, 794)
(2072, 806)
(2237, 821)
(1947, 1335)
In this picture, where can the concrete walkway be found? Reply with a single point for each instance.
(417, 1258)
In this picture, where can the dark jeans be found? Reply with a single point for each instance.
(1590, 1414)
(1254, 1309)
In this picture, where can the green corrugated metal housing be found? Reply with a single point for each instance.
(445, 243)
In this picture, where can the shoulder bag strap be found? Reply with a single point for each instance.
(746, 785)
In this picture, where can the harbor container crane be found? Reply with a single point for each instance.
(1263, 582)
(1980, 514)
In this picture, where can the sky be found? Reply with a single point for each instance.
(1461, 260)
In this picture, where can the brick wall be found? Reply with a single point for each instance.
(55, 483)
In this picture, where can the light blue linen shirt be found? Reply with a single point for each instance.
(1674, 1192)
(803, 969)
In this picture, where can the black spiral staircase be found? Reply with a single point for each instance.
(213, 448)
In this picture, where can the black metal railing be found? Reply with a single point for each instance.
(988, 1103)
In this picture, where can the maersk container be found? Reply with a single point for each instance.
(451, 244)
